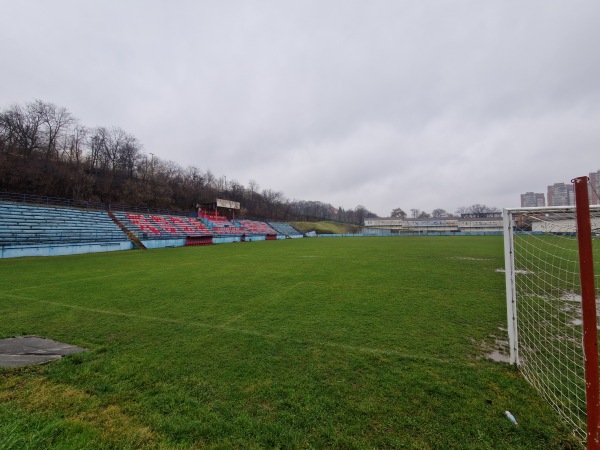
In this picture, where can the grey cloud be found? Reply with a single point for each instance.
(394, 103)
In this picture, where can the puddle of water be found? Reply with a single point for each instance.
(571, 297)
(518, 271)
(498, 356)
(469, 258)
(499, 351)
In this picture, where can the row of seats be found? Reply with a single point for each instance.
(216, 221)
(255, 227)
(23, 224)
(156, 226)
(230, 230)
(190, 226)
(286, 229)
(221, 225)
(142, 224)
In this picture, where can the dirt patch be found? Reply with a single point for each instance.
(28, 350)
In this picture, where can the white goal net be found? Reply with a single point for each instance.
(544, 304)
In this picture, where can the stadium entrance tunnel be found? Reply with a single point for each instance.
(29, 350)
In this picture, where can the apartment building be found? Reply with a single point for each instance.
(531, 199)
(561, 194)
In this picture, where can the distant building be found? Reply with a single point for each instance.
(529, 199)
(478, 223)
(561, 194)
(595, 188)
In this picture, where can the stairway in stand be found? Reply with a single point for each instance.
(132, 237)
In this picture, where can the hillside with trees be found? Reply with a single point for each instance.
(45, 150)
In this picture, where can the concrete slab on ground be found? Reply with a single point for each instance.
(28, 350)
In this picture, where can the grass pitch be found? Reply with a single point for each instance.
(308, 343)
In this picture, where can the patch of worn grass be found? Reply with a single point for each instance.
(349, 342)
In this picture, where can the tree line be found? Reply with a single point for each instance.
(439, 213)
(45, 150)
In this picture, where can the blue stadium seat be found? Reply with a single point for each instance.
(23, 224)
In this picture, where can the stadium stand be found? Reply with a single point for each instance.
(140, 222)
(221, 225)
(258, 228)
(44, 226)
(214, 220)
(165, 227)
(22, 224)
(286, 229)
(190, 226)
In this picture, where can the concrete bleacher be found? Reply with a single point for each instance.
(162, 226)
(220, 225)
(257, 228)
(24, 224)
(191, 226)
(139, 223)
(43, 226)
(286, 229)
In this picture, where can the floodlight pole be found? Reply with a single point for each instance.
(588, 310)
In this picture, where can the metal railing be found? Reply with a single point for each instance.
(82, 204)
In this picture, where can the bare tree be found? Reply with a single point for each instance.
(253, 187)
(360, 213)
(74, 144)
(398, 212)
(439, 212)
(113, 148)
(210, 179)
(462, 210)
(193, 178)
(415, 213)
(477, 208)
(53, 120)
(22, 129)
(97, 144)
(128, 154)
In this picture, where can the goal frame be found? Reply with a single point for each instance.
(582, 213)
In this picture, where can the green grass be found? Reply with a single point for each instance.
(307, 343)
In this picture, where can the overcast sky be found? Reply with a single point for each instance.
(412, 104)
